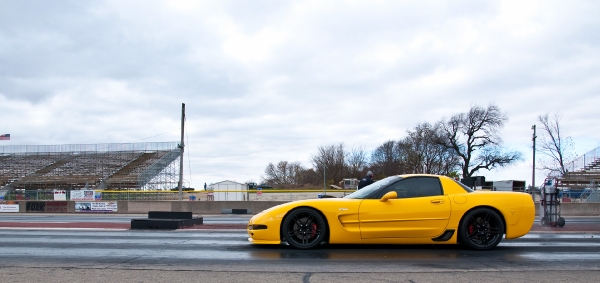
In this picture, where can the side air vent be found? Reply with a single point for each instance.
(444, 237)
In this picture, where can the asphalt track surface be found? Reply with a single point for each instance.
(120, 221)
(57, 248)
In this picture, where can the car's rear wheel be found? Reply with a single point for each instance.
(304, 228)
(481, 229)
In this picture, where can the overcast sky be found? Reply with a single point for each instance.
(265, 81)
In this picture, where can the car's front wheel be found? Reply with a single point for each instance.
(481, 229)
(304, 228)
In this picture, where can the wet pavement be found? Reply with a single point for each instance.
(229, 251)
(109, 221)
(573, 224)
(46, 248)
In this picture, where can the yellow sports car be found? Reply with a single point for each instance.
(403, 209)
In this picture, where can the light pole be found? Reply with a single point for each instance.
(181, 145)
(324, 181)
(533, 170)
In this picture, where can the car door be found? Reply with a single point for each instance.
(421, 210)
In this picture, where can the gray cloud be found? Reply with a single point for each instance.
(265, 81)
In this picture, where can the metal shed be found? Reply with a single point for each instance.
(229, 191)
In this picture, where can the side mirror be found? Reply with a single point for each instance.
(389, 195)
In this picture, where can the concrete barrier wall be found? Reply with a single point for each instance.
(216, 207)
(144, 206)
(579, 209)
(254, 207)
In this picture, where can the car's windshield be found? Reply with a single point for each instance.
(368, 190)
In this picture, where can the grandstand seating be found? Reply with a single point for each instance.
(583, 172)
(128, 175)
(16, 166)
(126, 166)
(586, 177)
(582, 179)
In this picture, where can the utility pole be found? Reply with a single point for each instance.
(181, 153)
(324, 181)
(533, 171)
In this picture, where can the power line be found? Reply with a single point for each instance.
(158, 135)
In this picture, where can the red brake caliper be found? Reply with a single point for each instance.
(314, 230)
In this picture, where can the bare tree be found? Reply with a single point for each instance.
(386, 159)
(332, 159)
(356, 162)
(284, 174)
(554, 145)
(475, 137)
(421, 153)
(308, 177)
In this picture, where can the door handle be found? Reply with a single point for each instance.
(437, 201)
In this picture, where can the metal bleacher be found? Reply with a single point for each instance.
(96, 166)
(583, 173)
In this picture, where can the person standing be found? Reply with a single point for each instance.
(367, 180)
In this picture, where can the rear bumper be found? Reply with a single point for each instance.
(525, 221)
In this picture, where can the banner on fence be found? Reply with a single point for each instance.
(60, 195)
(96, 206)
(82, 195)
(9, 208)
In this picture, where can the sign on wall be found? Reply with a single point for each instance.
(56, 206)
(82, 195)
(35, 206)
(46, 206)
(60, 195)
(96, 206)
(9, 208)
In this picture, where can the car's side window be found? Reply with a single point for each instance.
(415, 187)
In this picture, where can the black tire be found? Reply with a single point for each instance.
(304, 228)
(544, 221)
(481, 229)
(560, 222)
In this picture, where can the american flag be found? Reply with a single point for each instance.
(5, 137)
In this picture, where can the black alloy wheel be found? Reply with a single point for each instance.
(481, 229)
(304, 228)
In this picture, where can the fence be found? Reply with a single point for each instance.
(583, 161)
(252, 195)
(100, 147)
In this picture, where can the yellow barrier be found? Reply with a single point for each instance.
(231, 191)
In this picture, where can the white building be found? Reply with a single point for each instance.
(229, 191)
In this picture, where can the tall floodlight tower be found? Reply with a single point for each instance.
(533, 170)
(181, 153)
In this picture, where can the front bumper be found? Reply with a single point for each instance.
(264, 229)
